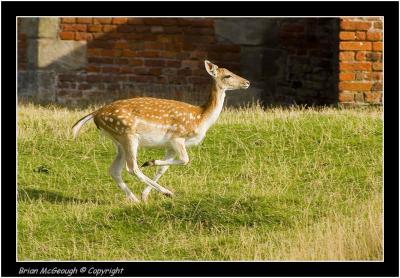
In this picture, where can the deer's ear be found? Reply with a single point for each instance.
(211, 68)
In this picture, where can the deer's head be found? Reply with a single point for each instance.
(226, 79)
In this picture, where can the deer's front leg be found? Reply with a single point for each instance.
(131, 146)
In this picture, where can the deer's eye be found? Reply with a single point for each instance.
(227, 76)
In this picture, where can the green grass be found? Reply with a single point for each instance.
(280, 184)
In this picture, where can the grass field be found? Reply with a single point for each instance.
(280, 184)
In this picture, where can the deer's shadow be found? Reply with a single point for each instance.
(31, 194)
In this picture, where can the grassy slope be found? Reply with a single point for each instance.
(275, 185)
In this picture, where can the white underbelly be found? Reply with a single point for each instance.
(154, 139)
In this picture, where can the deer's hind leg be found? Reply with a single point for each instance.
(170, 155)
(115, 172)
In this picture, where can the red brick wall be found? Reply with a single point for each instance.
(360, 70)
(125, 52)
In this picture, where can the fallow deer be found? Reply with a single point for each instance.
(152, 122)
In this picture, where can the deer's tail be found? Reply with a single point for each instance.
(78, 125)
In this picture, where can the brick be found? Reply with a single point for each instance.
(147, 54)
(110, 69)
(68, 19)
(199, 80)
(355, 46)
(74, 27)
(373, 56)
(82, 36)
(156, 29)
(153, 45)
(126, 69)
(153, 21)
(67, 35)
(360, 36)
(378, 25)
(172, 29)
(142, 78)
(110, 52)
(92, 68)
(164, 38)
(149, 37)
(349, 66)
(136, 62)
(373, 97)
(168, 54)
(126, 28)
(121, 44)
(377, 76)
(361, 56)
(377, 66)
(84, 20)
(100, 60)
(346, 97)
(102, 20)
(119, 20)
(347, 36)
(173, 64)
(121, 61)
(94, 28)
(198, 54)
(192, 64)
(135, 21)
(374, 36)
(359, 96)
(128, 53)
(99, 36)
(363, 76)
(346, 76)
(200, 39)
(114, 36)
(377, 87)
(142, 29)
(377, 46)
(154, 63)
(93, 52)
(198, 30)
(355, 25)
(355, 86)
(184, 72)
(101, 44)
(155, 71)
(109, 28)
(201, 22)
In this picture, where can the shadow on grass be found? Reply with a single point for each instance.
(212, 212)
(31, 194)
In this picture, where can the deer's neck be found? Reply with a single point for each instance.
(212, 109)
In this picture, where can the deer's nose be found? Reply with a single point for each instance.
(246, 84)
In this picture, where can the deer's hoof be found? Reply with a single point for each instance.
(133, 199)
(148, 163)
(169, 194)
